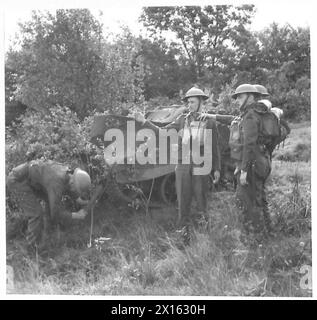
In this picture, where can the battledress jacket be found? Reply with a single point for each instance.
(48, 180)
(179, 124)
(252, 140)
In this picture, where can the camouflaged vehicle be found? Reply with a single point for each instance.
(156, 181)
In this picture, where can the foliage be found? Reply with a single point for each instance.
(122, 73)
(290, 93)
(225, 102)
(280, 44)
(162, 72)
(219, 51)
(204, 32)
(279, 58)
(65, 60)
(13, 110)
(162, 101)
(57, 135)
(10, 83)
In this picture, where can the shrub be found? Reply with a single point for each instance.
(56, 135)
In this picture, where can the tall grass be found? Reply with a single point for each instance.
(297, 147)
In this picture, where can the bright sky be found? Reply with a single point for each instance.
(297, 13)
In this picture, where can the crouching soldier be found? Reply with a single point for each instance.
(39, 180)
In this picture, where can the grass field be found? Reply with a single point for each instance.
(134, 253)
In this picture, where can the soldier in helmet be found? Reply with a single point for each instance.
(253, 163)
(39, 180)
(188, 184)
(263, 95)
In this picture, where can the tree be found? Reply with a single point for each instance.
(279, 58)
(289, 93)
(207, 34)
(64, 60)
(121, 73)
(282, 44)
(13, 109)
(10, 83)
(162, 74)
(58, 59)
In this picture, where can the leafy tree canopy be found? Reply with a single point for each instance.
(206, 33)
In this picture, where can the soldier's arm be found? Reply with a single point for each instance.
(225, 119)
(58, 211)
(176, 124)
(250, 133)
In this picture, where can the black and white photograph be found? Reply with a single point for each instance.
(158, 148)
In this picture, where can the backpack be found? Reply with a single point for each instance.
(270, 125)
(273, 129)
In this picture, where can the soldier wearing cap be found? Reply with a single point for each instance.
(188, 184)
(39, 180)
(253, 163)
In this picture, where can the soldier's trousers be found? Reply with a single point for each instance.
(251, 199)
(30, 204)
(188, 185)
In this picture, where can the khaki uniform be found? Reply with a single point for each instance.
(38, 180)
(248, 149)
(188, 184)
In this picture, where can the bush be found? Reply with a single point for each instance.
(56, 135)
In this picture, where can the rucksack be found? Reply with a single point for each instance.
(270, 125)
(274, 129)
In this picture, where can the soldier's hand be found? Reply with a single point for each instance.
(139, 117)
(80, 215)
(81, 201)
(243, 178)
(203, 116)
(216, 176)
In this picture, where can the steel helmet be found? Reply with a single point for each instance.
(82, 181)
(261, 90)
(195, 92)
(245, 88)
